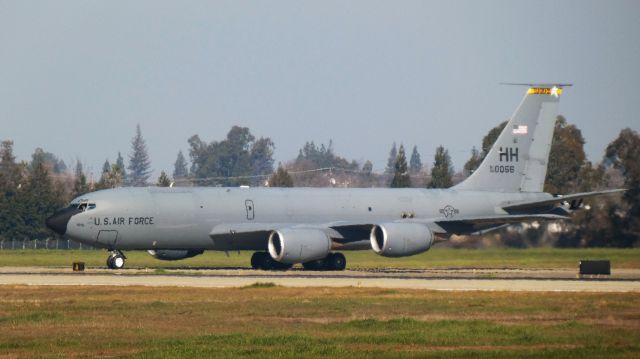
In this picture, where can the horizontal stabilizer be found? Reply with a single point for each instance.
(506, 219)
(478, 224)
(523, 206)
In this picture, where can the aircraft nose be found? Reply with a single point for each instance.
(59, 220)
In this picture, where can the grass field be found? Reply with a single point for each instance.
(434, 258)
(270, 321)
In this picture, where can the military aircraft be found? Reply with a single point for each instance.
(285, 226)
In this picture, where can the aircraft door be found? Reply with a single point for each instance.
(107, 238)
(248, 204)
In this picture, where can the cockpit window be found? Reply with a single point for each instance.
(84, 206)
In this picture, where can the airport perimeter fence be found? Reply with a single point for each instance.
(45, 244)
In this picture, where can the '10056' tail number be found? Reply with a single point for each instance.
(501, 169)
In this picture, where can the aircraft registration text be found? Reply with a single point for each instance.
(502, 169)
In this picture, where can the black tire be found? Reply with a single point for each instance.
(309, 265)
(117, 258)
(110, 262)
(256, 260)
(282, 266)
(337, 261)
(317, 265)
(267, 263)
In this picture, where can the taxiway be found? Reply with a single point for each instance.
(443, 279)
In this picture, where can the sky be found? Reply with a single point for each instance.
(77, 76)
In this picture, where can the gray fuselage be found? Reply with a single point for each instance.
(184, 218)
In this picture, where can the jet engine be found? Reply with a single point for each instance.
(174, 254)
(293, 245)
(400, 239)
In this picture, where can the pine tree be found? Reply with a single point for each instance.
(163, 180)
(106, 167)
(491, 138)
(39, 199)
(12, 179)
(122, 168)
(139, 163)
(7, 159)
(391, 161)
(280, 178)
(111, 179)
(623, 154)
(566, 158)
(180, 166)
(367, 168)
(473, 163)
(101, 184)
(442, 171)
(80, 185)
(478, 156)
(415, 163)
(401, 175)
(262, 156)
(12, 174)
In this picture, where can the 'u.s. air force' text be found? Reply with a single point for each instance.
(122, 221)
(507, 154)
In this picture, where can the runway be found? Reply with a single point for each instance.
(442, 280)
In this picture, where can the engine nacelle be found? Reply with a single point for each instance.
(292, 245)
(174, 254)
(400, 239)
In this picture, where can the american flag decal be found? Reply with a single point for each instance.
(520, 130)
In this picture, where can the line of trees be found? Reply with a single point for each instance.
(32, 190)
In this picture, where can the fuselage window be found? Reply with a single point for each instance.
(92, 205)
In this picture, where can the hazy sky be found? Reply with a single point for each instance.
(76, 76)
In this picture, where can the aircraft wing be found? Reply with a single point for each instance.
(254, 236)
(355, 235)
(573, 199)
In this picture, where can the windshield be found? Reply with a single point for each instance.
(82, 205)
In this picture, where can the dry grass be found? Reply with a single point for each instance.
(270, 321)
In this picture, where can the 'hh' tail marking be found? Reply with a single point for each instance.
(508, 154)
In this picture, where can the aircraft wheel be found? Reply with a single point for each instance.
(266, 262)
(116, 260)
(256, 260)
(282, 266)
(315, 265)
(336, 261)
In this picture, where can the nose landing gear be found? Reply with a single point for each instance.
(116, 260)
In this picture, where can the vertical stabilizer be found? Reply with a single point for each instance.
(517, 162)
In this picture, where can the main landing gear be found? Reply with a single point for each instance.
(116, 260)
(262, 260)
(332, 262)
